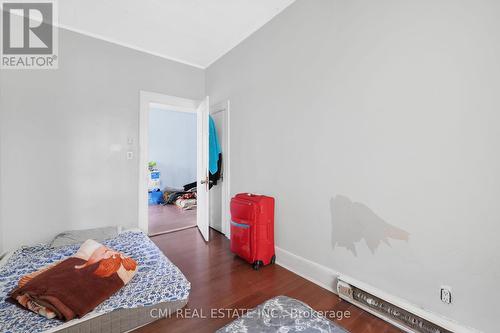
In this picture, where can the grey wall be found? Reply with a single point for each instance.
(61, 132)
(172, 145)
(375, 125)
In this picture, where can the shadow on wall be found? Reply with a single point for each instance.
(353, 221)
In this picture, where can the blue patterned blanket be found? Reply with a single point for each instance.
(157, 280)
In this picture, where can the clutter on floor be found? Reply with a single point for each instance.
(183, 199)
(186, 198)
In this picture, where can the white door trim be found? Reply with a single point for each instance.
(226, 165)
(202, 170)
(146, 100)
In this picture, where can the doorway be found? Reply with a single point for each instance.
(172, 169)
(190, 207)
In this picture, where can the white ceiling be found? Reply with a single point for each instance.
(195, 32)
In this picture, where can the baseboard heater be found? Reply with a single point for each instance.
(385, 310)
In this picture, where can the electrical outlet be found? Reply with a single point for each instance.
(130, 155)
(446, 294)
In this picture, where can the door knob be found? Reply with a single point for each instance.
(206, 181)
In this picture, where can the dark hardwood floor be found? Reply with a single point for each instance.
(221, 280)
(169, 217)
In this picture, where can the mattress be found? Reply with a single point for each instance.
(158, 284)
(121, 320)
(282, 314)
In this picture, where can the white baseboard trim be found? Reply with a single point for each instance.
(327, 278)
(309, 270)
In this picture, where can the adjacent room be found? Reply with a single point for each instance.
(236, 166)
(172, 170)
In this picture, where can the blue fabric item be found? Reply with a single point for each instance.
(213, 146)
(155, 197)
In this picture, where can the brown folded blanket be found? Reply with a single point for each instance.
(73, 287)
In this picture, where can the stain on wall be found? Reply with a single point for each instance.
(354, 221)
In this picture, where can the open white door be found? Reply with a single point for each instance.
(202, 217)
(220, 194)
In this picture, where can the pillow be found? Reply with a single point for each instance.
(71, 237)
(4, 257)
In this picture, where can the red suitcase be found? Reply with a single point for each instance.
(252, 228)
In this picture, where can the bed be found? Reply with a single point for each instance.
(158, 287)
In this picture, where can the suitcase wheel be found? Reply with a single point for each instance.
(273, 259)
(258, 264)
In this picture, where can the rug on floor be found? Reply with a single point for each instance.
(282, 314)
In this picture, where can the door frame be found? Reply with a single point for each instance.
(146, 100)
(225, 106)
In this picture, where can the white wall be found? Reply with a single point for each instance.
(172, 145)
(374, 121)
(64, 137)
